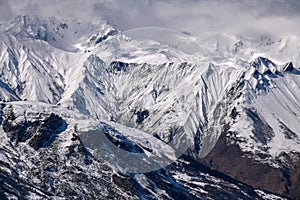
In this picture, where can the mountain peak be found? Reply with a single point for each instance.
(262, 74)
(263, 65)
(64, 34)
(289, 67)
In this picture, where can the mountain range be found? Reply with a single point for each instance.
(89, 112)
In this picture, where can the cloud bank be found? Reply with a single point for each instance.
(276, 17)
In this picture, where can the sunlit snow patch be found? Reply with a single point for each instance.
(172, 38)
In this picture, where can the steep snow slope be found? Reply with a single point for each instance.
(258, 125)
(41, 63)
(149, 98)
(270, 95)
(47, 60)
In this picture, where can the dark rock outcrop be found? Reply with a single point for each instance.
(229, 159)
(39, 133)
(141, 115)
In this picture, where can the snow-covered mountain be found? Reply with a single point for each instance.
(76, 97)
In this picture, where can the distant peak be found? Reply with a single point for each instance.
(288, 67)
(262, 73)
(264, 65)
(61, 33)
(262, 61)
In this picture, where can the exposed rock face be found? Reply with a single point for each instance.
(141, 115)
(40, 159)
(64, 168)
(39, 133)
(185, 179)
(229, 159)
(252, 146)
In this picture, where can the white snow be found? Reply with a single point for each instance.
(64, 66)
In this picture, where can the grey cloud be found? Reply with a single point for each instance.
(5, 11)
(278, 17)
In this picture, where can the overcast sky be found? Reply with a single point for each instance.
(278, 17)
